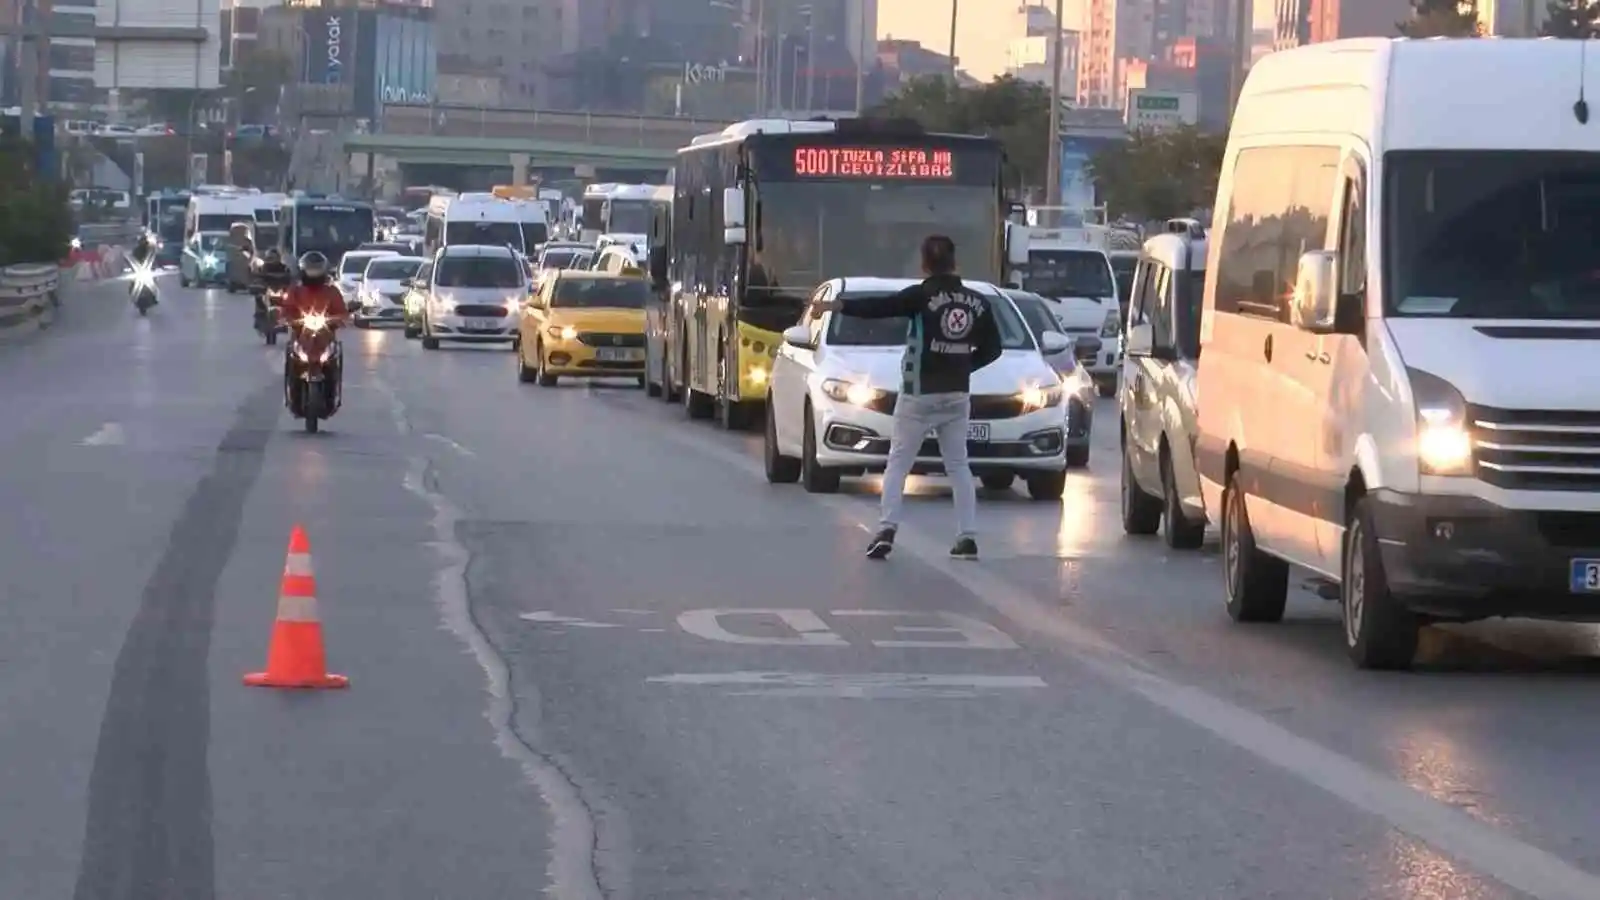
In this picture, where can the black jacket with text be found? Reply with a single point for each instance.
(950, 332)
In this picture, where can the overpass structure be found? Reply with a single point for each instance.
(518, 140)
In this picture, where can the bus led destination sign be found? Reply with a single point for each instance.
(874, 162)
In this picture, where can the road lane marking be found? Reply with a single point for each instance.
(1485, 848)
(975, 634)
(550, 618)
(808, 628)
(451, 444)
(874, 685)
(109, 435)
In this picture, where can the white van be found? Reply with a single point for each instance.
(478, 219)
(1399, 374)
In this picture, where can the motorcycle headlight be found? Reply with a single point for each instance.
(314, 322)
(851, 392)
(1444, 446)
(1040, 396)
(210, 260)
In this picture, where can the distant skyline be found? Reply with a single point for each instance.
(984, 28)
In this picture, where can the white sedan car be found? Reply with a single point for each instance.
(835, 380)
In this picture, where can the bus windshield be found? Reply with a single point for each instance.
(332, 227)
(812, 232)
(215, 221)
(487, 234)
(629, 217)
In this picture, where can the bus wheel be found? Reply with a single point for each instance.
(731, 414)
(695, 404)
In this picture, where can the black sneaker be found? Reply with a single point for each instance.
(882, 543)
(965, 548)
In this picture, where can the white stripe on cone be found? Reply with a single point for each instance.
(297, 609)
(298, 564)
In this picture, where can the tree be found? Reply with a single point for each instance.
(1577, 19)
(35, 219)
(1442, 18)
(1015, 112)
(1158, 174)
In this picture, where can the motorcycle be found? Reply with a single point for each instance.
(269, 321)
(143, 287)
(312, 390)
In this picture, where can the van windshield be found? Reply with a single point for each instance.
(1492, 234)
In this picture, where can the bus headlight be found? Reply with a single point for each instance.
(758, 375)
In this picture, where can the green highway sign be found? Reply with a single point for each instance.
(1156, 103)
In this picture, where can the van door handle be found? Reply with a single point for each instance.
(1266, 349)
(1311, 355)
(1324, 358)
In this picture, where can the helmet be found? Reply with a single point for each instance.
(273, 256)
(314, 267)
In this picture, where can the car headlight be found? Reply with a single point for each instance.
(1444, 446)
(851, 392)
(1040, 396)
(562, 332)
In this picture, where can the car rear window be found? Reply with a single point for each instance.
(479, 272)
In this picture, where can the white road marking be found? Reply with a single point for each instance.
(975, 634)
(635, 612)
(868, 686)
(109, 435)
(451, 444)
(550, 618)
(808, 627)
(1491, 851)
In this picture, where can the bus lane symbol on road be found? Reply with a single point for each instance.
(806, 628)
(550, 618)
(964, 632)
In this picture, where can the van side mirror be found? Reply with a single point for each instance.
(798, 336)
(733, 237)
(733, 207)
(1314, 307)
(1017, 241)
(658, 266)
(1139, 341)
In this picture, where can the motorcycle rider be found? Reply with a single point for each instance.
(144, 251)
(144, 258)
(316, 293)
(275, 276)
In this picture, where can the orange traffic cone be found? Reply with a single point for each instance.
(295, 658)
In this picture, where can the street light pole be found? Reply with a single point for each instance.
(811, 58)
(1052, 188)
(955, 9)
(861, 57)
(761, 58)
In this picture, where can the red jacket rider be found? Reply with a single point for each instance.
(322, 298)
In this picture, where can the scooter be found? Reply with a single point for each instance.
(311, 390)
(269, 322)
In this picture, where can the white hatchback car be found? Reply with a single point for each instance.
(382, 291)
(836, 378)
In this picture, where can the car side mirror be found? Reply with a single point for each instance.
(1139, 341)
(1053, 342)
(798, 336)
(1314, 307)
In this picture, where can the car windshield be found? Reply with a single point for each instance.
(849, 331)
(354, 263)
(556, 259)
(1069, 273)
(599, 293)
(392, 269)
(1492, 234)
(478, 272)
(1035, 311)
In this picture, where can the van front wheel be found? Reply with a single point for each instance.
(1257, 584)
(1379, 632)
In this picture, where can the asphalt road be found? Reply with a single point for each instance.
(593, 654)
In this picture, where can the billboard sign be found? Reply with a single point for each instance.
(328, 46)
(398, 63)
(1152, 109)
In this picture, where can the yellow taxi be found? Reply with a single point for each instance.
(583, 324)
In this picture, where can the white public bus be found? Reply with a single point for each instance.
(617, 209)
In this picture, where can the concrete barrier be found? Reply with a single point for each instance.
(29, 295)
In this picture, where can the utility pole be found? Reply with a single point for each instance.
(34, 34)
(1052, 188)
(761, 58)
(955, 10)
(861, 57)
(811, 57)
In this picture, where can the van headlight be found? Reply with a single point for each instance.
(1444, 445)
(1040, 396)
(853, 393)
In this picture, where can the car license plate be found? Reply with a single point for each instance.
(484, 324)
(1586, 576)
(977, 431)
(615, 354)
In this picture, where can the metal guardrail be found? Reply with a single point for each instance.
(29, 295)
